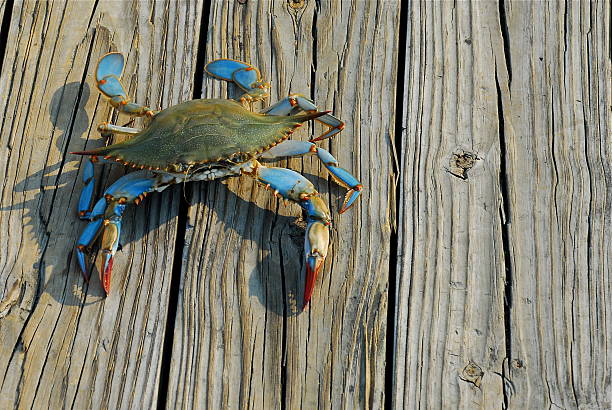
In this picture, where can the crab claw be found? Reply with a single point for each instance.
(106, 215)
(350, 197)
(292, 186)
(110, 243)
(315, 247)
(343, 177)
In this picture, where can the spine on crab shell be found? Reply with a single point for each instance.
(96, 151)
(109, 153)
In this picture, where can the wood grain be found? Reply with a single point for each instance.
(450, 285)
(503, 270)
(61, 343)
(240, 339)
(503, 257)
(557, 122)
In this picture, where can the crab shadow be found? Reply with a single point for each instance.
(276, 279)
(46, 192)
(50, 200)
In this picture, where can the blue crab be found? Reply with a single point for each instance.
(204, 140)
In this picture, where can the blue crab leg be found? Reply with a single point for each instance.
(285, 182)
(108, 129)
(85, 210)
(87, 193)
(224, 68)
(87, 238)
(109, 226)
(108, 80)
(244, 75)
(98, 209)
(296, 103)
(342, 177)
(290, 148)
(295, 187)
(106, 218)
(84, 207)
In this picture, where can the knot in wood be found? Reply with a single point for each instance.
(296, 4)
(517, 364)
(472, 373)
(461, 162)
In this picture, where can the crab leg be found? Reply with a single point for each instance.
(87, 238)
(244, 75)
(106, 218)
(87, 193)
(295, 187)
(291, 148)
(342, 177)
(108, 81)
(107, 129)
(296, 103)
(85, 210)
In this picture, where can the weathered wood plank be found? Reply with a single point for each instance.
(241, 340)
(527, 83)
(450, 342)
(556, 109)
(61, 343)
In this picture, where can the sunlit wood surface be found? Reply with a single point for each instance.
(473, 273)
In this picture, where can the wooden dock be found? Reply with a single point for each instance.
(473, 273)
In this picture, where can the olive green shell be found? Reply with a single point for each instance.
(201, 131)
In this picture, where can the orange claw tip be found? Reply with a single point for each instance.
(312, 270)
(305, 305)
(106, 276)
(350, 198)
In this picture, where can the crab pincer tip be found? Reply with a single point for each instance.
(105, 272)
(350, 198)
(312, 270)
(82, 263)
